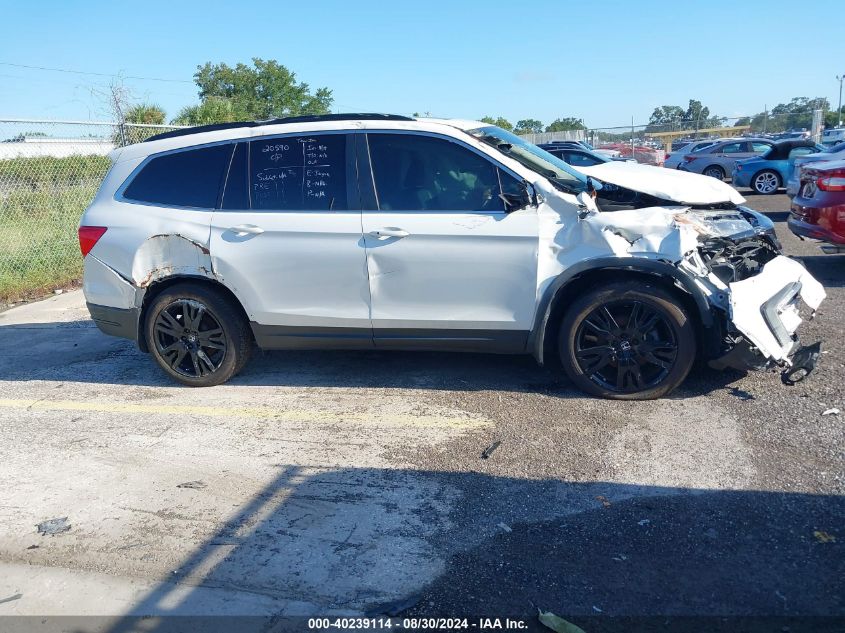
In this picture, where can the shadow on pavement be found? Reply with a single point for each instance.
(828, 269)
(590, 552)
(78, 352)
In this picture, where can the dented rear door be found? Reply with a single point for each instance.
(287, 239)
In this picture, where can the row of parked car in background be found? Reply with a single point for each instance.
(813, 173)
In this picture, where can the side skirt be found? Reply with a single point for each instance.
(295, 337)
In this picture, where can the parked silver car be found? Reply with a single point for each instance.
(719, 159)
(837, 152)
(674, 158)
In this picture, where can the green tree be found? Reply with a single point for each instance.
(211, 110)
(796, 113)
(831, 119)
(666, 115)
(566, 123)
(696, 113)
(147, 113)
(498, 122)
(264, 90)
(528, 126)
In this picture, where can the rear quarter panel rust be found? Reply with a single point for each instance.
(163, 256)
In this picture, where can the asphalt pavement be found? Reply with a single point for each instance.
(351, 483)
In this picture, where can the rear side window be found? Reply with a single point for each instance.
(801, 151)
(581, 160)
(413, 172)
(190, 178)
(733, 148)
(299, 173)
(760, 147)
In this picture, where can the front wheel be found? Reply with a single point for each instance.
(627, 341)
(196, 335)
(767, 182)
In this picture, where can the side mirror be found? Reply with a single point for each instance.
(526, 197)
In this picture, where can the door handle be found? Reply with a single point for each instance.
(243, 229)
(389, 232)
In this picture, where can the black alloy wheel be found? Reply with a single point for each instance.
(627, 340)
(626, 347)
(197, 334)
(190, 338)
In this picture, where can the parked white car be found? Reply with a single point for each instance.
(832, 137)
(674, 158)
(385, 232)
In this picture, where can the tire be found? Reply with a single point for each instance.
(714, 171)
(628, 362)
(766, 182)
(185, 316)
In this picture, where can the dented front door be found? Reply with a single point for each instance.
(446, 260)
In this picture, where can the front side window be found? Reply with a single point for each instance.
(702, 146)
(298, 173)
(414, 172)
(190, 178)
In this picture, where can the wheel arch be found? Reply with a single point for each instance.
(160, 285)
(542, 341)
(716, 166)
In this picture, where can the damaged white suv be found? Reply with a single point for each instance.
(384, 232)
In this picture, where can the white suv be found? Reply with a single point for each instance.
(385, 232)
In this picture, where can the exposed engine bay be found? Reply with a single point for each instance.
(735, 242)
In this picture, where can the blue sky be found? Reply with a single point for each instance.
(601, 61)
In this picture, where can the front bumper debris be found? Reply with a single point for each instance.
(803, 363)
(765, 308)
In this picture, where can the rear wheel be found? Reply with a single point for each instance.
(627, 341)
(714, 171)
(196, 335)
(766, 182)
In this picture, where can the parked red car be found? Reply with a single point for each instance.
(818, 211)
(642, 154)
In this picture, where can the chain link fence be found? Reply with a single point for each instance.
(49, 172)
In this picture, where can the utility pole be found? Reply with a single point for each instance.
(839, 78)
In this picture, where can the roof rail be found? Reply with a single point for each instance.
(307, 118)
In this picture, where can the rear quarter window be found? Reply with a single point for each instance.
(188, 178)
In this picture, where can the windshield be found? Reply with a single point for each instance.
(536, 159)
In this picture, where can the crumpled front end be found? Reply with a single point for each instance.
(729, 254)
(757, 293)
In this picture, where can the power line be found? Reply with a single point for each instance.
(80, 72)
